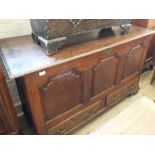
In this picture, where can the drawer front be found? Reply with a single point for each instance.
(76, 119)
(121, 93)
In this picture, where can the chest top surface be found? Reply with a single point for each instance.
(22, 56)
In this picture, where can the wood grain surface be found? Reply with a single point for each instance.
(22, 56)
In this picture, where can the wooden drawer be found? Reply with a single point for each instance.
(77, 119)
(121, 93)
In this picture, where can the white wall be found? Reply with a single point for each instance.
(14, 27)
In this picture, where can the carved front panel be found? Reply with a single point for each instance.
(61, 93)
(133, 58)
(104, 75)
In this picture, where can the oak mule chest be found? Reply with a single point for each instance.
(63, 91)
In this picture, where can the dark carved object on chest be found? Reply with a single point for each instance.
(52, 34)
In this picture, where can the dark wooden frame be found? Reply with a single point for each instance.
(8, 116)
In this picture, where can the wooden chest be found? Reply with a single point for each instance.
(63, 91)
(51, 34)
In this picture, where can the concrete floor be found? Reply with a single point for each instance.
(145, 90)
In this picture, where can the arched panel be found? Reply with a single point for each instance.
(61, 93)
(133, 58)
(104, 75)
